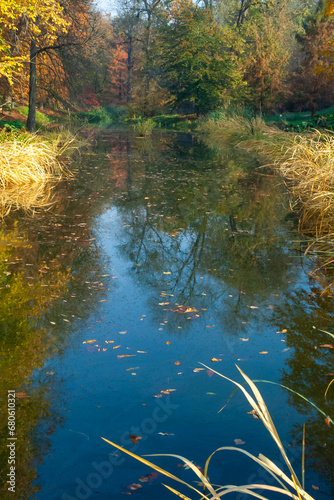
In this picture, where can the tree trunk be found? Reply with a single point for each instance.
(31, 121)
(128, 83)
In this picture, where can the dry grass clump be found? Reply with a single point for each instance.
(28, 159)
(29, 165)
(308, 168)
(235, 129)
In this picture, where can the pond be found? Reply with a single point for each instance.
(159, 255)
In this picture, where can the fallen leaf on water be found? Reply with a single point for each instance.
(239, 441)
(109, 341)
(209, 326)
(21, 395)
(263, 352)
(167, 272)
(125, 355)
(164, 303)
(168, 342)
(215, 359)
(315, 487)
(122, 333)
(104, 349)
(243, 339)
(253, 307)
(195, 370)
(142, 352)
(148, 478)
(286, 349)
(165, 434)
(134, 439)
(328, 421)
(89, 341)
(134, 486)
(330, 346)
(177, 363)
(116, 346)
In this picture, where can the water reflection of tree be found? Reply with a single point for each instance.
(48, 266)
(197, 216)
(309, 369)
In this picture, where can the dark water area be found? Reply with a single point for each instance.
(159, 255)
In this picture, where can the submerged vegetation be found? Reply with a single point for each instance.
(288, 484)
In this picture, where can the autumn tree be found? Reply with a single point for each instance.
(312, 80)
(197, 60)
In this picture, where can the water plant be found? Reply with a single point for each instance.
(286, 484)
(144, 127)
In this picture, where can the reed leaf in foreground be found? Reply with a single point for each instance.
(290, 487)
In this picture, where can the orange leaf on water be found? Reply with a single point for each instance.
(134, 439)
(177, 363)
(215, 359)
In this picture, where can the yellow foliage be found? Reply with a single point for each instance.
(43, 18)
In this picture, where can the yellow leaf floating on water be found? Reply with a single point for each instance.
(116, 346)
(215, 359)
(263, 352)
(89, 341)
(167, 272)
(125, 355)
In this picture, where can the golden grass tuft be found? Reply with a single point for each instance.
(308, 168)
(29, 166)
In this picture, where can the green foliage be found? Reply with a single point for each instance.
(117, 113)
(197, 62)
(98, 115)
(144, 127)
(10, 126)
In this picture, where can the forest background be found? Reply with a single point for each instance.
(167, 56)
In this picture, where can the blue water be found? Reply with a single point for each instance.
(168, 227)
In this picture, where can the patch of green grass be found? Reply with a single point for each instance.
(11, 125)
(42, 120)
(94, 116)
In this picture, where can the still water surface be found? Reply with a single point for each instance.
(159, 255)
